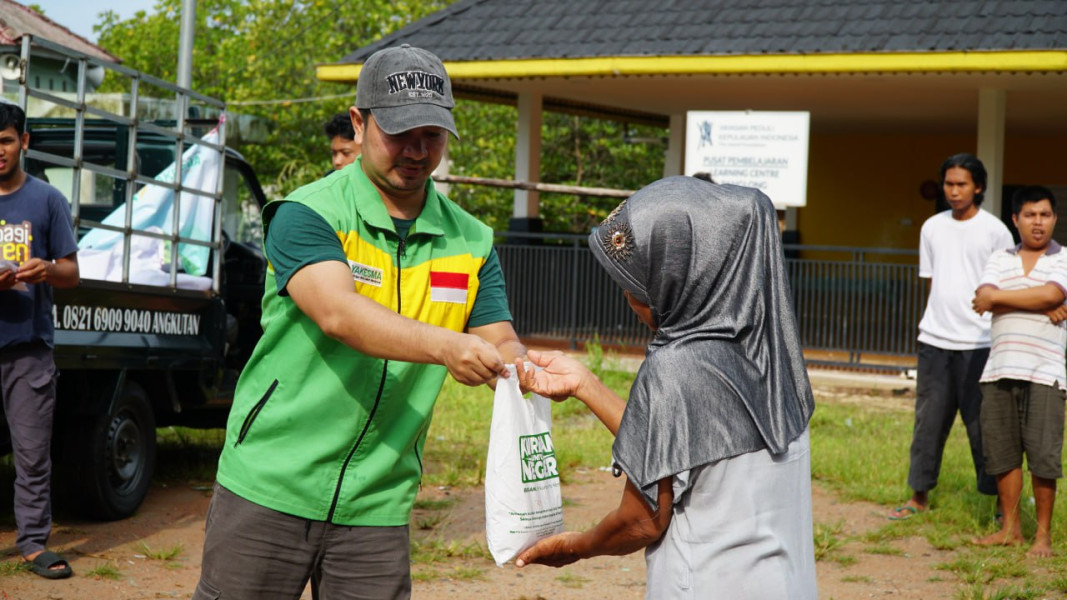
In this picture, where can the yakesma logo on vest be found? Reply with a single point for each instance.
(365, 273)
(538, 457)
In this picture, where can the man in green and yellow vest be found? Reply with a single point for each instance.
(378, 287)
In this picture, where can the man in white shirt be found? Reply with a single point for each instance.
(1025, 381)
(953, 340)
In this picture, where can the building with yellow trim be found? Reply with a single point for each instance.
(893, 88)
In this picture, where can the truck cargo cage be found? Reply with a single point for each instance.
(159, 335)
(177, 241)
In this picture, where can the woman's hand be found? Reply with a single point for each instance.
(559, 378)
(555, 551)
(629, 528)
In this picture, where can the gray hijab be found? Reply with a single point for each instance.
(724, 374)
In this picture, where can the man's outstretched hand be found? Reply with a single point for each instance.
(473, 361)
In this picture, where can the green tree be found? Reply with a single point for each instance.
(486, 150)
(264, 50)
(595, 153)
(260, 50)
(575, 150)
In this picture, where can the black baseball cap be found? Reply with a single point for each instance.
(406, 87)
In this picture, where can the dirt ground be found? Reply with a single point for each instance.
(173, 518)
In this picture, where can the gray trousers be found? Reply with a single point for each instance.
(255, 553)
(947, 383)
(28, 391)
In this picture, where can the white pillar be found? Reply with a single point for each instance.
(528, 155)
(674, 162)
(991, 108)
(443, 169)
(791, 218)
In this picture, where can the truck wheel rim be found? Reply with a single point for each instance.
(125, 450)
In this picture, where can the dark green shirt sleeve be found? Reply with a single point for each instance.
(491, 303)
(298, 237)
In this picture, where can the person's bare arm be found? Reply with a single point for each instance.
(63, 273)
(1040, 298)
(562, 377)
(628, 528)
(325, 293)
(503, 336)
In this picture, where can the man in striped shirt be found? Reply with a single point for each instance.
(1025, 380)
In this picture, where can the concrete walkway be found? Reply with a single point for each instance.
(826, 376)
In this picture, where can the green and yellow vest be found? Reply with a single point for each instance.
(320, 431)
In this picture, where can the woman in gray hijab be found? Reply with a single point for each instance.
(714, 437)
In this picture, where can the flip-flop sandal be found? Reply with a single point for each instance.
(903, 513)
(43, 563)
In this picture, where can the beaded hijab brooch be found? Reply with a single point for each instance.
(616, 237)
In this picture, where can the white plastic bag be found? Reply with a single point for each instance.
(522, 495)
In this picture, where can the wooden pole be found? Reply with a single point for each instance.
(541, 187)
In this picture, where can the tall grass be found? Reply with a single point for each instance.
(189, 455)
(456, 442)
(860, 452)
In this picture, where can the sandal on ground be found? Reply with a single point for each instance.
(44, 562)
(904, 512)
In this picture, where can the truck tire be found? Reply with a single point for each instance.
(114, 458)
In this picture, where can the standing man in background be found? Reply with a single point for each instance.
(343, 147)
(377, 288)
(953, 339)
(37, 252)
(1025, 381)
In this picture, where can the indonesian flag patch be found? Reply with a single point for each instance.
(448, 287)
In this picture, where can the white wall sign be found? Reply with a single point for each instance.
(763, 150)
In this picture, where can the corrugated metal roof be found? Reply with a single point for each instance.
(17, 20)
(481, 30)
